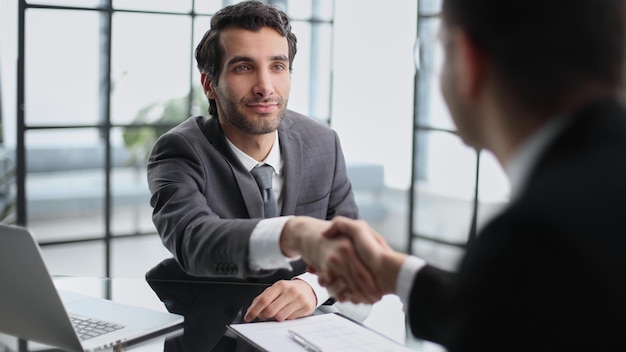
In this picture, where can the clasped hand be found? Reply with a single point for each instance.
(349, 257)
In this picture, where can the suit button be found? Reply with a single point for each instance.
(219, 268)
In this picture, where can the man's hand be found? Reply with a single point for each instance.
(382, 262)
(329, 256)
(284, 300)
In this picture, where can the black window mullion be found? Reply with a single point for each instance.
(106, 18)
(20, 148)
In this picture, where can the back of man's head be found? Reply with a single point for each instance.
(543, 52)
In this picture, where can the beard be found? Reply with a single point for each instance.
(257, 123)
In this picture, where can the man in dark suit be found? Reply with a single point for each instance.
(208, 208)
(540, 85)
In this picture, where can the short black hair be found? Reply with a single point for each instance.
(543, 50)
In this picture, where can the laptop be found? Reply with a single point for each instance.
(33, 309)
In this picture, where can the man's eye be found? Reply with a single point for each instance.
(241, 68)
(279, 67)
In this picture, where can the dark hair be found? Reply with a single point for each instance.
(250, 15)
(545, 50)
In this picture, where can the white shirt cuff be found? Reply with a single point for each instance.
(320, 292)
(406, 276)
(264, 249)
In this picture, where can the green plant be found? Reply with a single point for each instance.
(139, 140)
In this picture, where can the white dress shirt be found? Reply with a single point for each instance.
(264, 247)
(517, 171)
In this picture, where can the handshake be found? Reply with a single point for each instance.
(351, 260)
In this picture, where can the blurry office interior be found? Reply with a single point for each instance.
(96, 81)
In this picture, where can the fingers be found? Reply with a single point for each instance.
(340, 291)
(353, 273)
(347, 249)
(362, 235)
(355, 262)
(286, 299)
(341, 225)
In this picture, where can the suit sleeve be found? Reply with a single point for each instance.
(341, 200)
(202, 242)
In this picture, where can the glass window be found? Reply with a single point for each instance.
(77, 3)
(62, 65)
(494, 188)
(149, 67)
(56, 258)
(208, 7)
(154, 5)
(310, 9)
(132, 213)
(310, 88)
(65, 184)
(444, 194)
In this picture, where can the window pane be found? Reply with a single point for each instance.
(153, 5)
(65, 184)
(444, 188)
(78, 3)
(130, 195)
(317, 9)
(150, 67)
(199, 104)
(208, 6)
(85, 259)
(311, 85)
(440, 255)
(431, 108)
(430, 7)
(61, 67)
(124, 255)
(493, 186)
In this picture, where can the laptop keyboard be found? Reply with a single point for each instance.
(88, 328)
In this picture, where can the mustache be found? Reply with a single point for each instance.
(252, 101)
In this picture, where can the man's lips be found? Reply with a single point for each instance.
(263, 108)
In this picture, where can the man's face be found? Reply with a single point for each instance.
(453, 80)
(254, 82)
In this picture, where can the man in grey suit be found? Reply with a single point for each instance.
(208, 208)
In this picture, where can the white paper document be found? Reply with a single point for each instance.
(330, 332)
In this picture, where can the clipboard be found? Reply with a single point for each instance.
(332, 332)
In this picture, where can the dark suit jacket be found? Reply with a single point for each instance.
(206, 204)
(549, 273)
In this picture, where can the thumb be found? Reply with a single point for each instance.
(342, 226)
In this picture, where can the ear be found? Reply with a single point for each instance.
(207, 85)
(470, 66)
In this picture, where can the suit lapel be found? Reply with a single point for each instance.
(291, 150)
(247, 185)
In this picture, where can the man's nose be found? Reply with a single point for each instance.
(263, 86)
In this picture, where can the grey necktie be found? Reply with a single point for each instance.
(263, 175)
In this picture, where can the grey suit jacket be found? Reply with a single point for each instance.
(206, 204)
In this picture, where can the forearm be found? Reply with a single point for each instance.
(290, 239)
(387, 270)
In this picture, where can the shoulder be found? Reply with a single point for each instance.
(191, 129)
(294, 119)
(190, 125)
(296, 123)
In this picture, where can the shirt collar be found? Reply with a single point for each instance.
(272, 159)
(523, 161)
